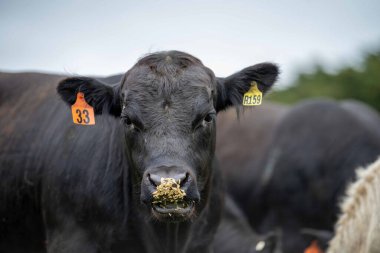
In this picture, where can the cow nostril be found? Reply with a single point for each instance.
(185, 179)
(151, 180)
(155, 178)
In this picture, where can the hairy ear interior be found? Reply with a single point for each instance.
(232, 88)
(103, 98)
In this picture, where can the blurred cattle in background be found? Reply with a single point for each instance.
(313, 152)
(358, 227)
(21, 97)
(241, 141)
(236, 235)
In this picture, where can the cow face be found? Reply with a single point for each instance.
(167, 104)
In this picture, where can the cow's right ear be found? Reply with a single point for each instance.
(231, 89)
(103, 98)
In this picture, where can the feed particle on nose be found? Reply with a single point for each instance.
(168, 192)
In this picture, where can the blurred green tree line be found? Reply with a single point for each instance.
(362, 83)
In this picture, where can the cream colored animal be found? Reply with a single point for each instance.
(358, 228)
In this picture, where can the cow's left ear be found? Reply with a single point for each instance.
(102, 97)
(230, 90)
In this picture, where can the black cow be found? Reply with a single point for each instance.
(71, 188)
(236, 235)
(313, 153)
(240, 144)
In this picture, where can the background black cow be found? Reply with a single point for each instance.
(240, 144)
(88, 189)
(313, 152)
(236, 235)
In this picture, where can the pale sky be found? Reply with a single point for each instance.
(92, 37)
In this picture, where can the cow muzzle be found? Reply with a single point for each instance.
(171, 192)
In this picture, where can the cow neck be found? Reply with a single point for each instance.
(172, 237)
(166, 238)
(122, 162)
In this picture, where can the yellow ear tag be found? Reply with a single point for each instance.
(83, 113)
(253, 96)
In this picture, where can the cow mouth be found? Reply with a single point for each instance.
(181, 209)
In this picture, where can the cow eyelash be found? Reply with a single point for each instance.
(125, 119)
(203, 121)
(209, 117)
(131, 123)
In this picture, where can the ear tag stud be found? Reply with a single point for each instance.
(253, 96)
(83, 113)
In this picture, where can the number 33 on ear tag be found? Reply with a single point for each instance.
(83, 113)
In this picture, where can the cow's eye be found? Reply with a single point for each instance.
(203, 121)
(209, 117)
(132, 123)
(126, 120)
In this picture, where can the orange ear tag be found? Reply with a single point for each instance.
(83, 113)
(313, 248)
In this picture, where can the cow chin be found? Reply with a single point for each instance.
(178, 212)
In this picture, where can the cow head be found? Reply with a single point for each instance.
(167, 104)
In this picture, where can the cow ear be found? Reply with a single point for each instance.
(231, 89)
(103, 98)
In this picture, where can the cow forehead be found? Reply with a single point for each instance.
(151, 101)
(146, 92)
(144, 77)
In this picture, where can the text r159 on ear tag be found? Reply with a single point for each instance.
(83, 113)
(253, 96)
